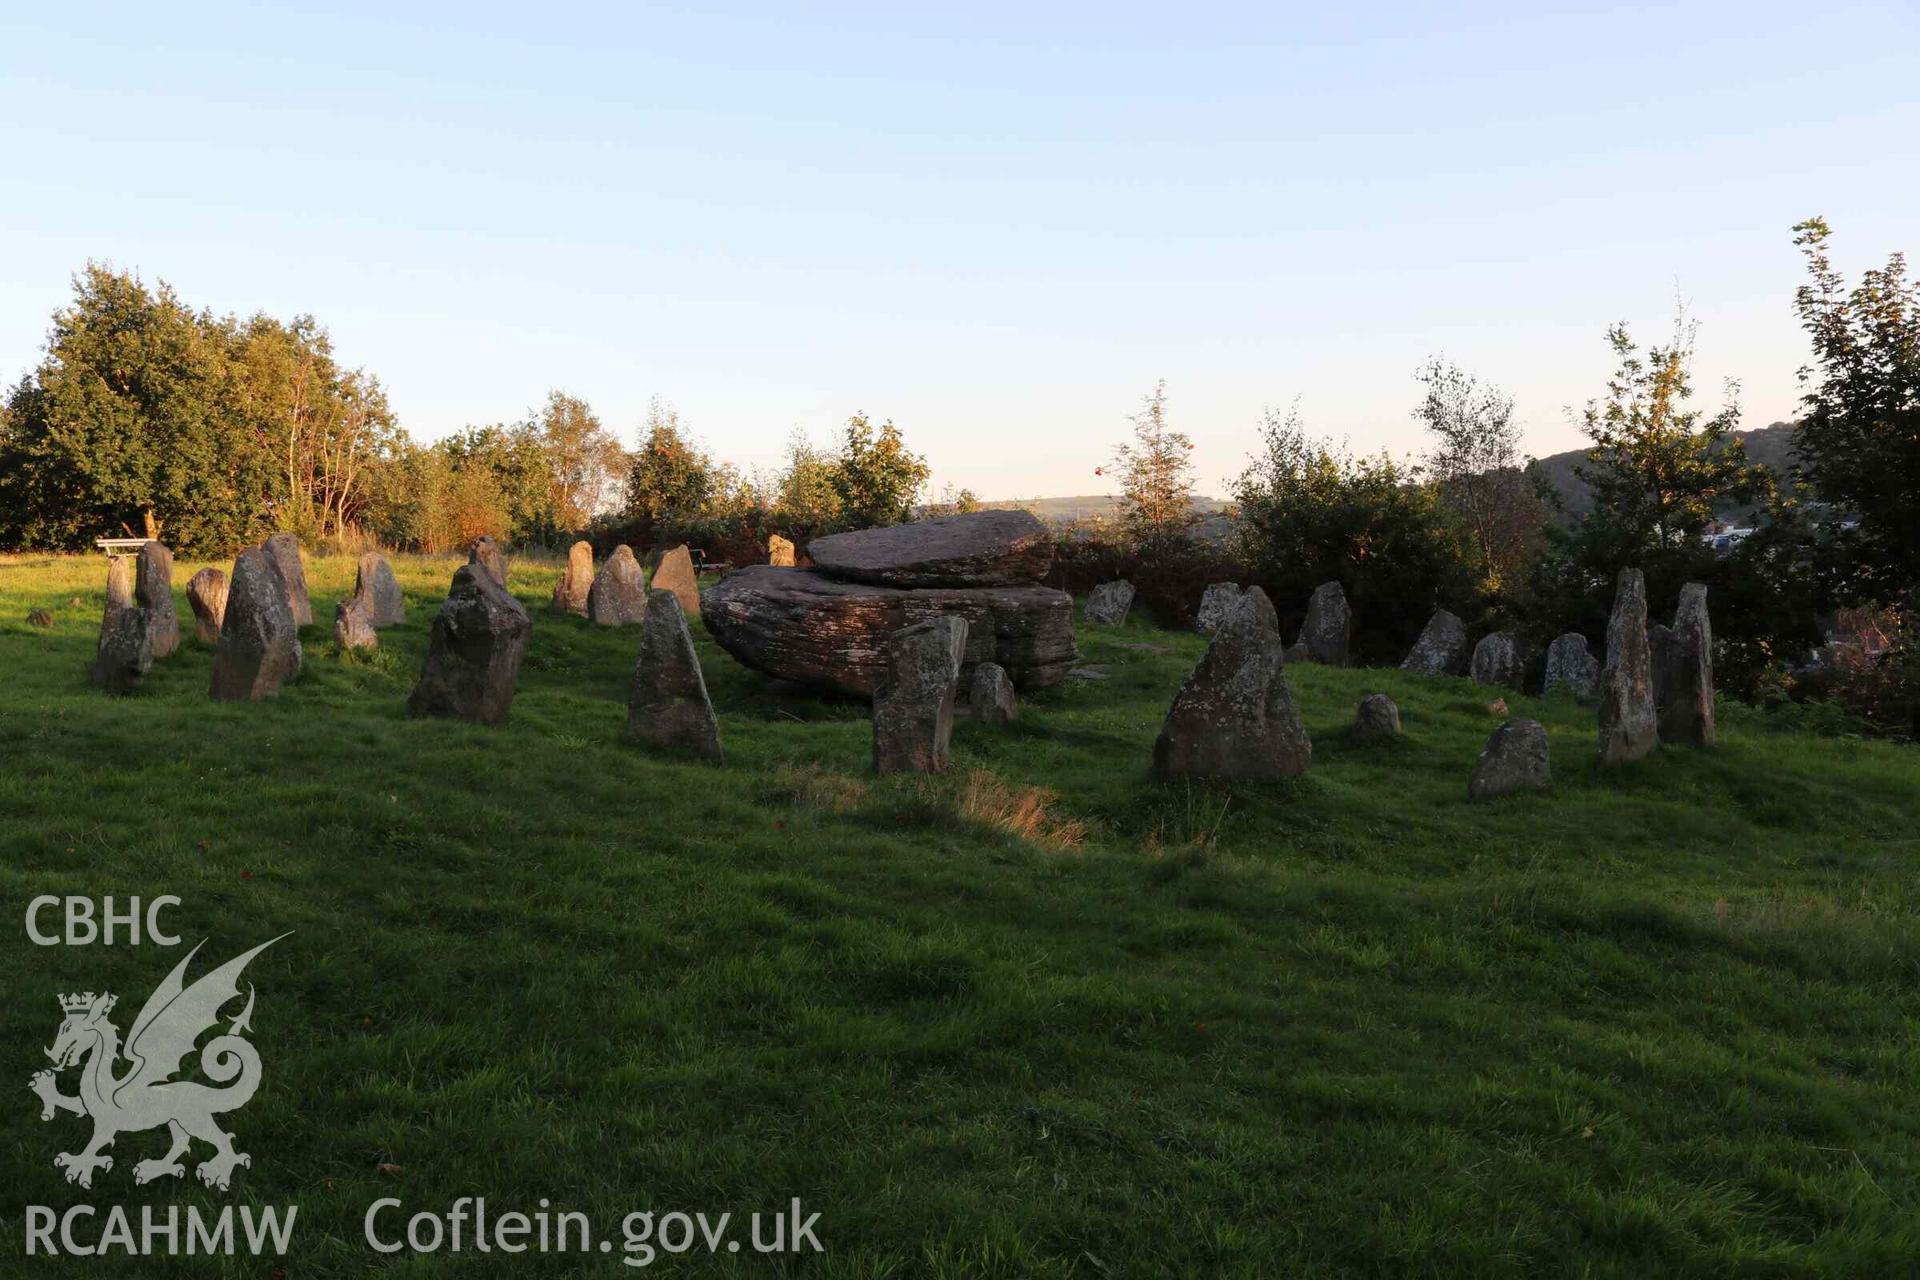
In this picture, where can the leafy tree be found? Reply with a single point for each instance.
(951, 502)
(519, 485)
(128, 425)
(1859, 443)
(804, 499)
(670, 481)
(584, 459)
(876, 477)
(1477, 466)
(1156, 475)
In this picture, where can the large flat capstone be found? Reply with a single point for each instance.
(979, 549)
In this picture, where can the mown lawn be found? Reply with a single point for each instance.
(1660, 1021)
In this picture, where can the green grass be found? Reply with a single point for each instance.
(1660, 1021)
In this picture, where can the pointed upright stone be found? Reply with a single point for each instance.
(1216, 602)
(474, 652)
(576, 581)
(913, 707)
(353, 624)
(283, 552)
(675, 573)
(1660, 663)
(1328, 627)
(1108, 604)
(119, 583)
(1687, 715)
(1571, 668)
(990, 697)
(486, 553)
(1441, 649)
(1496, 660)
(1234, 715)
(1514, 759)
(667, 703)
(618, 596)
(124, 652)
(1628, 724)
(259, 646)
(378, 591)
(1376, 719)
(153, 591)
(207, 594)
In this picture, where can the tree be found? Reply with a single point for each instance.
(1859, 443)
(585, 461)
(1477, 467)
(518, 489)
(1155, 471)
(804, 500)
(876, 477)
(128, 425)
(670, 480)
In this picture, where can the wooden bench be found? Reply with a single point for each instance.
(121, 546)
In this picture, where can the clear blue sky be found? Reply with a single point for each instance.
(996, 224)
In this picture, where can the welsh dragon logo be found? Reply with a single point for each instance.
(144, 1096)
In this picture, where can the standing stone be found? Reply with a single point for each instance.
(619, 592)
(1514, 759)
(153, 591)
(675, 573)
(379, 591)
(1628, 725)
(667, 704)
(1660, 663)
(779, 552)
(1377, 717)
(1216, 602)
(259, 644)
(990, 697)
(119, 584)
(1496, 660)
(1571, 667)
(1441, 649)
(1328, 626)
(485, 552)
(1687, 715)
(283, 552)
(124, 653)
(473, 654)
(1234, 715)
(1108, 603)
(570, 594)
(1297, 652)
(207, 593)
(353, 624)
(913, 707)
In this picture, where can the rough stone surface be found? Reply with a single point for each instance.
(913, 705)
(207, 595)
(259, 646)
(618, 596)
(990, 695)
(1660, 663)
(283, 551)
(675, 573)
(800, 625)
(124, 653)
(1441, 649)
(474, 653)
(1234, 715)
(1377, 717)
(1687, 714)
(1629, 726)
(379, 591)
(486, 553)
(353, 625)
(1496, 660)
(1216, 602)
(119, 583)
(1571, 667)
(1514, 759)
(1296, 652)
(779, 552)
(667, 704)
(576, 581)
(153, 591)
(1328, 626)
(979, 549)
(1108, 603)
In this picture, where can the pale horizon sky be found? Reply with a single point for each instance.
(997, 225)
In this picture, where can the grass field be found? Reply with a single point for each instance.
(1660, 1021)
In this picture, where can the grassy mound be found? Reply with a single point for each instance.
(1043, 1016)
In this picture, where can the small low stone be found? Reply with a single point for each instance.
(1514, 759)
(1498, 707)
(1297, 652)
(1377, 717)
(1108, 603)
(991, 698)
(39, 618)
(1089, 674)
(353, 625)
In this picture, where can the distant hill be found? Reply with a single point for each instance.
(1090, 507)
(1772, 445)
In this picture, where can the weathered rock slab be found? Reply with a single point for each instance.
(1496, 660)
(379, 591)
(1216, 602)
(207, 596)
(667, 703)
(1107, 604)
(1571, 668)
(618, 596)
(1441, 649)
(1514, 759)
(353, 624)
(800, 625)
(474, 653)
(1629, 724)
(978, 549)
(913, 705)
(1234, 715)
(124, 652)
(153, 591)
(1328, 627)
(675, 573)
(1687, 714)
(259, 646)
(283, 552)
(576, 581)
